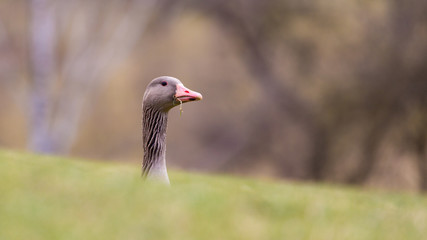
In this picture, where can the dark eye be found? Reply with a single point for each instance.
(164, 83)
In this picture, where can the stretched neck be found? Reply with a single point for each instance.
(154, 124)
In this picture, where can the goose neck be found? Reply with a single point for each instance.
(154, 144)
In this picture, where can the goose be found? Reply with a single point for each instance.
(161, 95)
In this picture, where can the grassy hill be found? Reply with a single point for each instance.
(57, 198)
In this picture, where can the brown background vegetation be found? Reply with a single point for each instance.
(309, 90)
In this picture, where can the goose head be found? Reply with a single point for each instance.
(164, 93)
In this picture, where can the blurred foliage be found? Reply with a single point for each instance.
(326, 90)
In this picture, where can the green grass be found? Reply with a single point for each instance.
(57, 198)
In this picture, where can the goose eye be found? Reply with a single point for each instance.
(164, 83)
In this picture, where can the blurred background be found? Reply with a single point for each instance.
(327, 90)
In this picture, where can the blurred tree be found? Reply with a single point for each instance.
(388, 86)
(395, 87)
(388, 95)
(43, 59)
(87, 40)
(255, 27)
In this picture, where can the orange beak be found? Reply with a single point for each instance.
(186, 95)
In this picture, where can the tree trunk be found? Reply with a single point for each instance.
(42, 63)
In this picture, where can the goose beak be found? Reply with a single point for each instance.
(186, 95)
